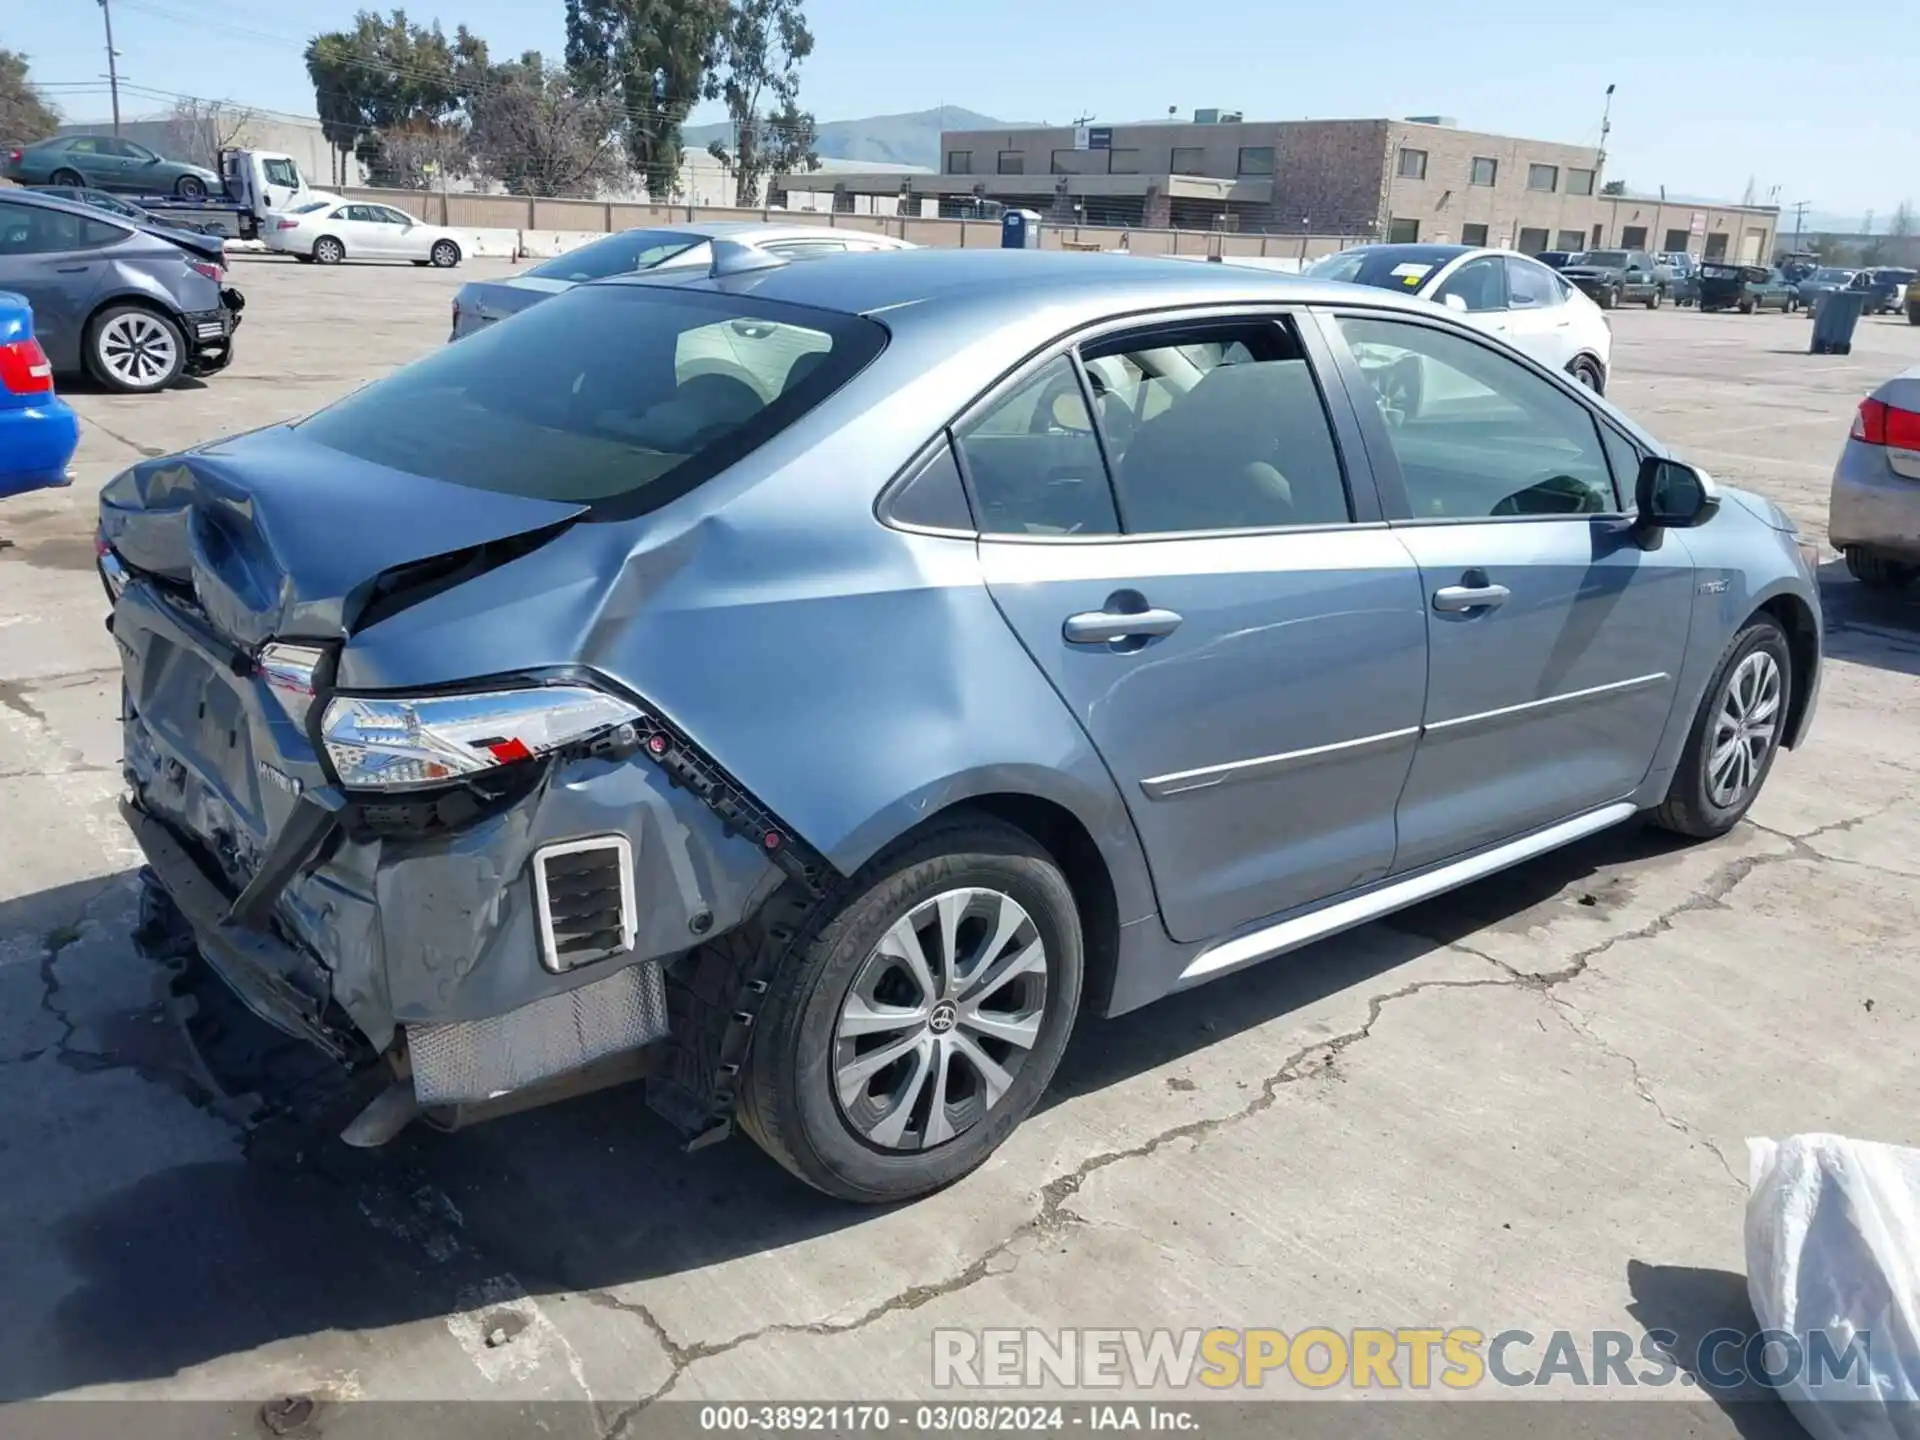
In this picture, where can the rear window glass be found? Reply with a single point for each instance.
(622, 254)
(625, 394)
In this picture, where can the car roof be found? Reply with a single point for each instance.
(49, 202)
(981, 290)
(1414, 254)
(752, 232)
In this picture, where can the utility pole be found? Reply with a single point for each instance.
(113, 69)
(1800, 208)
(1606, 129)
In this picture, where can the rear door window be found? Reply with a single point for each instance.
(623, 397)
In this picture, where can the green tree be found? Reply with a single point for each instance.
(24, 115)
(651, 57)
(389, 76)
(757, 74)
(537, 133)
(1614, 187)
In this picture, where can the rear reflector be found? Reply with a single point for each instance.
(1879, 423)
(24, 369)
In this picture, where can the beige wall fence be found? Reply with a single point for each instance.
(511, 212)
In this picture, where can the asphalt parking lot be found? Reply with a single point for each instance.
(1522, 1105)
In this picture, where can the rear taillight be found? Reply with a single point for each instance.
(389, 743)
(287, 225)
(24, 369)
(1879, 423)
(13, 157)
(112, 573)
(207, 268)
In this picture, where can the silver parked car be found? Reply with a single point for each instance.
(670, 251)
(1873, 516)
(132, 304)
(827, 681)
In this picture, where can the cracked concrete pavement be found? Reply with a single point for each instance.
(1521, 1105)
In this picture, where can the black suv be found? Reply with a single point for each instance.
(1613, 276)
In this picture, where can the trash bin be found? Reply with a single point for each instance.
(1835, 314)
(1020, 230)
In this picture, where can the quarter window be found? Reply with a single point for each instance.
(1531, 286)
(1034, 461)
(1481, 284)
(1476, 435)
(1215, 429)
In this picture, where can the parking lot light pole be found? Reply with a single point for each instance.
(113, 70)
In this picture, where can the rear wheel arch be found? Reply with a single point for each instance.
(1062, 834)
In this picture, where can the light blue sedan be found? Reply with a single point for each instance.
(827, 684)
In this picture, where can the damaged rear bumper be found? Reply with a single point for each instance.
(376, 928)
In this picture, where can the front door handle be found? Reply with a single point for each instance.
(1469, 597)
(72, 269)
(1099, 627)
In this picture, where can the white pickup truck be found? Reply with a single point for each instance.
(254, 184)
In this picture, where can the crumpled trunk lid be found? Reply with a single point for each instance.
(275, 537)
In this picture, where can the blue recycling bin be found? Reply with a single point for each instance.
(1020, 230)
(1835, 314)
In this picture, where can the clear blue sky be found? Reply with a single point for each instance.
(1709, 95)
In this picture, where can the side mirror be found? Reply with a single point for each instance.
(1672, 495)
(1455, 302)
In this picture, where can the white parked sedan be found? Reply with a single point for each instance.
(326, 233)
(1522, 301)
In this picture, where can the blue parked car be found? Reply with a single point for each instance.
(845, 676)
(38, 432)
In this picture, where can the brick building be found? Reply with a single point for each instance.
(1416, 179)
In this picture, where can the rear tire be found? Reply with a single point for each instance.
(135, 350)
(1735, 737)
(843, 992)
(445, 255)
(190, 187)
(1878, 572)
(328, 251)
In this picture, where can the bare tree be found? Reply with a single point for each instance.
(539, 133)
(198, 130)
(422, 154)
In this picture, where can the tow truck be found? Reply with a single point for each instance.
(254, 184)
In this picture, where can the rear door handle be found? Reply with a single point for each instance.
(72, 269)
(1469, 597)
(1098, 627)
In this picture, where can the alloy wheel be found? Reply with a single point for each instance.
(137, 349)
(445, 255)
(1744, 730)
(939, 1020)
